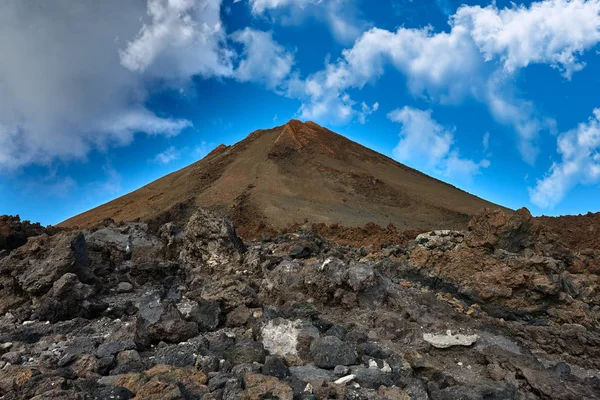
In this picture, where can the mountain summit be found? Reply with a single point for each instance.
(295, 173)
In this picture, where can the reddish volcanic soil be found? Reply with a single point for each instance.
(578, 232)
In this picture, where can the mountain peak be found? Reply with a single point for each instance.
(293, 173)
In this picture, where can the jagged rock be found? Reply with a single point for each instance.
(449, 340)
(128, 361)
(285, 338)
(246, 352)
(161, 382)
(14, 232)
(68, 298)
(330, 351)
(392, 393)
(161, 320)
(229, 293)
(238, 316)
(371, 377)
(87, 367)
(442, 240)
(59, 394)
(113, 393)
(308, 372)
(13, 357)
(210, 241)
(370, 307)
(275, 366)
(112, 348)
(124, 287)
(42, 261)
(181, 355)
(114, 240)
(261, 387)
(207, 314)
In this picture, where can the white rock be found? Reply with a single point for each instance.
(386, 368)
(373, 364)
(6, 346)
(280, 336)
(345, 379)
(449, 340)
(322, 267)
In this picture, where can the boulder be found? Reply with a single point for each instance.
(275, 366)
(246, 352)
(181, 355)
(160, 320)
(330, 351)
(68, 298)
(210, 241)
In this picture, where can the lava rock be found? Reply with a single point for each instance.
(112, 392)
(112, 348)
(246, 352)
(128, 361)
(207, 314)
(161, 320)
(261, 387)
(330, 351)
(124, 287)
(182, 355)
(275, 366)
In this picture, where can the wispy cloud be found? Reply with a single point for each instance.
(166, 157)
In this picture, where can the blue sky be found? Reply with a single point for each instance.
(100, 98)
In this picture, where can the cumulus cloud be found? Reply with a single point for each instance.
(474, 59)
(340, 15)
(263, 60)
(63, 89)
(183, 38)
(429, 146)
(550, 32)
(579, 150)
(78, 81)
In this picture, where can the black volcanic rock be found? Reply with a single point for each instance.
(340, 323)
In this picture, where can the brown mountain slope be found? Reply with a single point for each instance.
(294, 173)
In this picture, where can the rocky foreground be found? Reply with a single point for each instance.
(500, 311)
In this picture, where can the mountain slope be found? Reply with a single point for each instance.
(294, 173)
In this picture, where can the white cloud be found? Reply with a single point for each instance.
(429, 146)
(551, 32)
(520, 114)
(443, 66)
(340, 15)
(169, 155)
(182, 39)
(579, 149)
(474, 59)
(260, 6)
(486, 141)
(79, 81)
(263, 59)
(62, 87)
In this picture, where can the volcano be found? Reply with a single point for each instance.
(293, 174)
